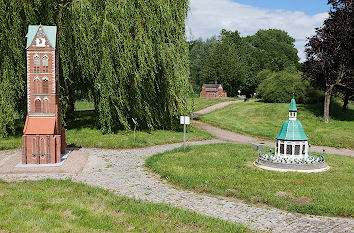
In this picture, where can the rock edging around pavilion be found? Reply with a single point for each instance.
(280, 167)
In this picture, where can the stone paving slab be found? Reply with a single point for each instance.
(73, 164)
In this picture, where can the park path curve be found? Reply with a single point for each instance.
(249, 139)
(214, 107)
(123, 172)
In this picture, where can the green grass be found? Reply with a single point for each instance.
(84, 105)
(86, 137)
(199, 103)
(227, 170)
(265, 119)
(10, 142)
(64, 206)
(82, 131)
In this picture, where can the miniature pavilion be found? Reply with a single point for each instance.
(292, 141)
(292, 149)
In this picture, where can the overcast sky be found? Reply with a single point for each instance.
(299, 17)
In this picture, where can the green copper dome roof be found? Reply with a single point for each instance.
(292, 130)
(293, 105)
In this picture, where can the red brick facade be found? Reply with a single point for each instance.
(212, 91)
(43, 140)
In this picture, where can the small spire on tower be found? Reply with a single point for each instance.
(292, 109)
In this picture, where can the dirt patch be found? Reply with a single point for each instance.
(301, 200)
(230, 192)
(283, 194)
(68, 214)
(256, 199)
(250, 165)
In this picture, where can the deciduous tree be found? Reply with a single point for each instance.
(330, 52)
(131, 57)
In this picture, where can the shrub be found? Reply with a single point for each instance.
(279, 87)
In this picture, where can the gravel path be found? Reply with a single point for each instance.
(248, 139)
(123, 172)
(214, 107)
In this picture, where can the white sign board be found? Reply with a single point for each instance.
(134, 121)
(184, 120)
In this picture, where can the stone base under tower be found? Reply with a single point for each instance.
(43, 149)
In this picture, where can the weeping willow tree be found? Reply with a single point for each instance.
(130, 56)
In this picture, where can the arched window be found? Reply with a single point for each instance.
(45, 85)
(37, 105)
(46, 105)
(36, 85)
(45, 64)
(36, 64)
(34, 146)
(47, 146)
(42, 146)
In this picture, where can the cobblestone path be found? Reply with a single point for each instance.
(124, 173)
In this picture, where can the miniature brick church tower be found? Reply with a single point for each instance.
(43, 141)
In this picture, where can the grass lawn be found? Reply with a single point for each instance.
(82, 131)
(265, 120)
(199, 103)
(227, 170)
(64, 206)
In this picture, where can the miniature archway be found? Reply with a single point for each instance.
(34, 145)
(45, 85)
(45, 64)
(36, 63)
(36, 82)
(45, 105)
(37, 105)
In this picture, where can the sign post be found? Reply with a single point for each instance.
(134, 128)
(184, 120)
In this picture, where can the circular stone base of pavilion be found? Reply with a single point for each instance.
(281, 167)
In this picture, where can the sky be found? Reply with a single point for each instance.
(297, 17)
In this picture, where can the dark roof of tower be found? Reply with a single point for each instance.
(211, 85)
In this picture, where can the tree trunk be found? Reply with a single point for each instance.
(327, 102)
(346, 101)
(70, 108)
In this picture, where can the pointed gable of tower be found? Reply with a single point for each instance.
(41, 37)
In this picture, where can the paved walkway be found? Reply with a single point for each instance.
(123, 172)
(214, 107)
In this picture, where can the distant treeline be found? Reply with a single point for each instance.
(235, 61)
